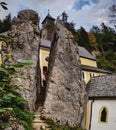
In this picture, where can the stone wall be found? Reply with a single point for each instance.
(66, 96)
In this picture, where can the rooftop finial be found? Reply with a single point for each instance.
(48, 11)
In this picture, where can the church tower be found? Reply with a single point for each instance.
(48, 27)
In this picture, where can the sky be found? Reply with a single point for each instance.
(85, 13)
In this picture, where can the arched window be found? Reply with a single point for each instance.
(103, 115)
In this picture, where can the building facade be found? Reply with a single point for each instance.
(88, 61)
(100, 114)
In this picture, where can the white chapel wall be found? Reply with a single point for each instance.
(111, 124)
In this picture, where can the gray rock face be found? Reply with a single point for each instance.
(66, 96)
(25, 48)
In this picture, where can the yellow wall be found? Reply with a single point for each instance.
(44, 52)
(87, 116)
(88, 62)
(87, 75)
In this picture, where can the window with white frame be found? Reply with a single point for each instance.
(92, 75)
(83, 75)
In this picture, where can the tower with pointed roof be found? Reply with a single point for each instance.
(47, 27)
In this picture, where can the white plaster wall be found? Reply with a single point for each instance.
(111, 105)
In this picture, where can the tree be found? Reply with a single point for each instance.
(108, 38)
(106, 43)
(83, 39)
(71, 27)
(105, 37)
(12, 104)
(5, 24)
(92, 40)
(113, 14)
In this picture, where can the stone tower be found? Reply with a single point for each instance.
(48, 27)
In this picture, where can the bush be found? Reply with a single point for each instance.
(12, 104)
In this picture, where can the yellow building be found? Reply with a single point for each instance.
(44, 56)
(89, 65)
(88, 61)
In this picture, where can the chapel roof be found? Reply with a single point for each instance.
(94, 69)
(102, 86)
(49, 17)
(45, 43)
(83, 52)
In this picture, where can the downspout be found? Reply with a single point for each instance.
(91, 114)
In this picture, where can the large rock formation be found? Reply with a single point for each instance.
(25, 48)
(66, 96)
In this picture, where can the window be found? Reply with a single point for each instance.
(83, 75)
(44, 77)
(45, 72)
(47, 59)
(103, 115)
(92, 75)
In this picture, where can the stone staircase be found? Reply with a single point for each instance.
(38, 122)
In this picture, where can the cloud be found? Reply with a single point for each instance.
(78, 5)
(91, 14)
(82, 12)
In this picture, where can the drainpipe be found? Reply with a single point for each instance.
(91, 114)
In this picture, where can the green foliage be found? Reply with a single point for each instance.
(83, 39)
(107, 60)
(23, 117)
(55, 126)
(22, 64)
(5, 38)
(106, 43)
(113, 14)
(5, 24)
(101, 40)
(11, 103)
(71, 27)
(80, 36)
